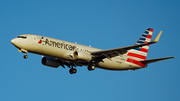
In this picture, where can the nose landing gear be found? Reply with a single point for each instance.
(23, 51)
(25, 56)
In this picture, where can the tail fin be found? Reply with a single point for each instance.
(141, 52)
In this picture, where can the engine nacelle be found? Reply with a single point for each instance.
(51, 62)
(82, 56)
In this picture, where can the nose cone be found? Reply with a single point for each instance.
(14, 42)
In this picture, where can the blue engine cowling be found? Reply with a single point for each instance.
(51, 62)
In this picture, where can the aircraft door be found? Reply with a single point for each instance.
(36, 40)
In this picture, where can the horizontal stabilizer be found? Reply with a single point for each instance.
(155, 60)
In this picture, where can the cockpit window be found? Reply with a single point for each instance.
(24, 37)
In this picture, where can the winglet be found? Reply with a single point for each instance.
(157, 38)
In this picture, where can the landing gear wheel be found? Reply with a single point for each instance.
(25, 56)
(72, 71)
(91, 67)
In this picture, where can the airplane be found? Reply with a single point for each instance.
(62, 53)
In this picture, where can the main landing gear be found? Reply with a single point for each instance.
(73, 71)
(91, 67)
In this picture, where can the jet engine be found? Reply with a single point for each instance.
(51, 62)
(82, 56)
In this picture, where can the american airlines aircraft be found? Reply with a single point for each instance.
(62, 53)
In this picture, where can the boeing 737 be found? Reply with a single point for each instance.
(62, 53)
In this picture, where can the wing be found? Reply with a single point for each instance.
(122, 50)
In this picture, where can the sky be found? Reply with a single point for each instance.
(103, 24)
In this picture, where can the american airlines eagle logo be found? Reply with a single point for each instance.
(40, 41)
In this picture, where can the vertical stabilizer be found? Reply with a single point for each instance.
(140, 53)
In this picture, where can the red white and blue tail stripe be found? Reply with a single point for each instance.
(138, 54)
